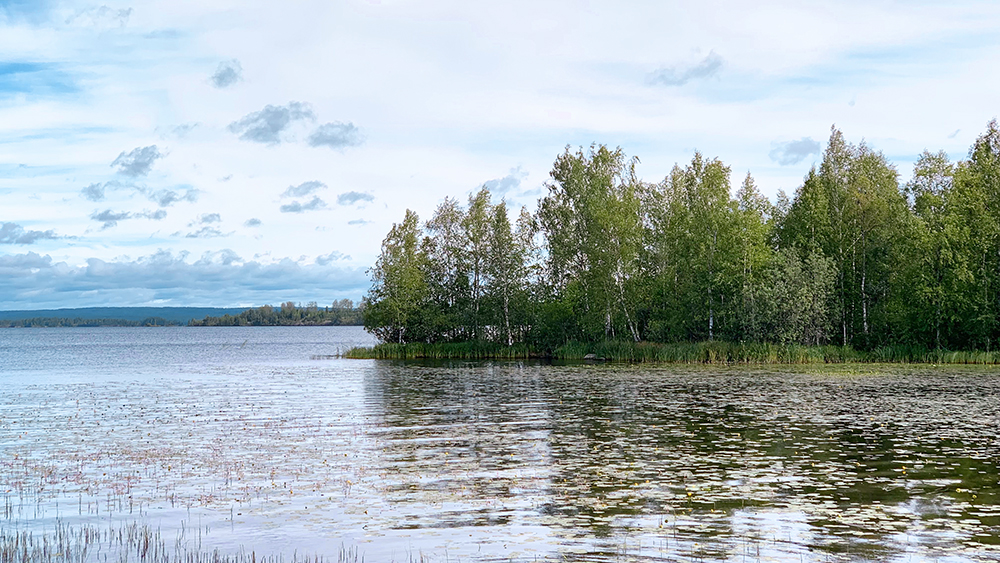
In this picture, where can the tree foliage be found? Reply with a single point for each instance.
(853, 257)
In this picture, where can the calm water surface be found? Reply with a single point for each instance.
(255, 439)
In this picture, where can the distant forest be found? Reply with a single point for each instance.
(854, 257)
(54, 322)
(116, 316)
(341, 313)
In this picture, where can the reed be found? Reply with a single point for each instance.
(443, 351)
(716, 352)
(708, 353)
(129, 542)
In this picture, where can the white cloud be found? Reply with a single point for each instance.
(267, 125)
(137, 162)
(680, 75)
(794, 152)
(351, 198)
(30, 280)
(227, 74)
(12, 233)
(336, 135)
(425, 101)
(303, 189)
(299, 207)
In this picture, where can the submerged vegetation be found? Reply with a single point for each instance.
(854, 266)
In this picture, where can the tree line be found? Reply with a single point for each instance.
(61, 322)
(855, 257)
(341, 313)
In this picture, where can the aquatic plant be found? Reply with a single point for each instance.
(129, 542)
(717, 352)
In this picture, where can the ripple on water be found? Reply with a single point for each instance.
(512, 461)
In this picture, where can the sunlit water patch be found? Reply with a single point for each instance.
(248, 440)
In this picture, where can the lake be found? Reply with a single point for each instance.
(258, 440)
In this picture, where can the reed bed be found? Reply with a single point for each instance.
(727, 353)
(128, 543)
(443, 351)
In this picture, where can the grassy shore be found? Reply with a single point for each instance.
(685, 352)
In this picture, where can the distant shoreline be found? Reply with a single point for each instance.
(343, 313)
(121, 315)
(120, 323)
(63, 322)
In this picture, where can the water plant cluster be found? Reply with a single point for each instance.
(857, 263)
(126, 543)
(717, 352)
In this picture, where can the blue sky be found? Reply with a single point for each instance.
(239, 152)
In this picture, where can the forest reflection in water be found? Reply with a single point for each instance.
(403, 461)
(859, 461)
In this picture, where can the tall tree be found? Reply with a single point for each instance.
(852, 211)
(590, 218)
(399, 287)
(706, 186)
(506, 268)
(753, 255)
(975, 198)
(448, 261)
(476, 226)
(935, 256)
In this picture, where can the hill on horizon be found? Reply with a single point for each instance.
(177, 314)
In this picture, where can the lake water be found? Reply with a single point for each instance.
(255, 439)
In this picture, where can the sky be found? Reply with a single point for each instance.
(241, 152)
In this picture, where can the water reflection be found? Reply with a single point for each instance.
(512, 461)
(707, 463)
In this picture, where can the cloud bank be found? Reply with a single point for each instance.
(12, 233)
(30, 280)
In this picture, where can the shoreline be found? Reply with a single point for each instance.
(714, 353)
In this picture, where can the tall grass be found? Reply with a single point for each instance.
(708, 353)
(129, 543)
(716, 352)
(443, 351)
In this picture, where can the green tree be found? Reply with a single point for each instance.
(753, 255)
(935, 268)
(797, 295)
(975, 200)
(506, 270)
(852, 211)
(448, 265)
(399, 286)
(476, 227)
(706, 186)
(591, 222)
